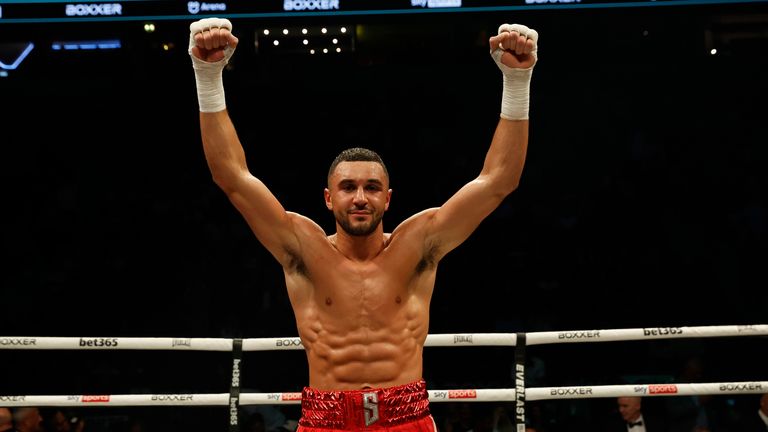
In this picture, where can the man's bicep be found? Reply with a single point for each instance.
(455, 220)
(266, 217)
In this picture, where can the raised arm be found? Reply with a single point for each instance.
(211, 45)
(514, 51)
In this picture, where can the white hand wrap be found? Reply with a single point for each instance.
(517, 82)
(210, 86)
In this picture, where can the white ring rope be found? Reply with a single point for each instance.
(465, 339)
(113, 343)
(465, 395)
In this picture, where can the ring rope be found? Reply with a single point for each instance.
(467, 339)
(464, 395)
(433, 340)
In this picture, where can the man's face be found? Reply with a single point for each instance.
(31, 420)
(358, 195)
(60, 422)
(629, 407)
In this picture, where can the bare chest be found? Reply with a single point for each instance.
(371, 287)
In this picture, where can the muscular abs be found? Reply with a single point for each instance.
(362, 323)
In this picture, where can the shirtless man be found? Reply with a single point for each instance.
(361, 296)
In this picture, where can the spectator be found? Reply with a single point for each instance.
(254, 423)
(696, 413)
(460, 418)
(756, 421)
(28, 419)
(6, 420)
(633, 419)
(136, 425)
(59, 421)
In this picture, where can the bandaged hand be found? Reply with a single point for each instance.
(514, 51)
(211, 45)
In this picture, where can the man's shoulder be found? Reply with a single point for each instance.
(411, 226)
(304, 223)
(418, 219)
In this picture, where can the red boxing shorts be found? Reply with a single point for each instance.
(403, 408)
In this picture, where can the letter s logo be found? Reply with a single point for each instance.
(371, 407)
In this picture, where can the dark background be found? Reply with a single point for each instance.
(642, 204)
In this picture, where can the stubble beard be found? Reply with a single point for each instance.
(360, 229)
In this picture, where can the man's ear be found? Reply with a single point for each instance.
(327, 195)
(389, 197)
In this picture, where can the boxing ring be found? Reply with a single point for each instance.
(519, 394)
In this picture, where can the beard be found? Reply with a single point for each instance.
(360, 229)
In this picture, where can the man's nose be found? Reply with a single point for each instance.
(360, 197)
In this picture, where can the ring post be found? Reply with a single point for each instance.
(520, 383)
(234, 386)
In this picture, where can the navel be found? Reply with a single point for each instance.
(329, 302)
(398, 300)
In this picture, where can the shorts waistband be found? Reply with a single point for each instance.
(364, 409)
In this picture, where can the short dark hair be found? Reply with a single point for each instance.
(357, 154)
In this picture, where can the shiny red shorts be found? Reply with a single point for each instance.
(403, 408)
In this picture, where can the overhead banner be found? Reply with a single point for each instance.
(20, 11)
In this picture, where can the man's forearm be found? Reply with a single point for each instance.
(223, 151)
(506, 157)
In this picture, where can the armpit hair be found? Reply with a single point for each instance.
(428, 261)
(296, 263)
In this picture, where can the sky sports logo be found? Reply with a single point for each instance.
(102, 398)
(291, 396)
(662, 389)
(462, 394)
